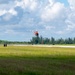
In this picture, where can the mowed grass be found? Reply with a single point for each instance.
(29, 60)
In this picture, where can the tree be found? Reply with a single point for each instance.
(74, 40)
(60, 41)
(46, 41)
(52, 41)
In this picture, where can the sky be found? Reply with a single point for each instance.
(19, 19)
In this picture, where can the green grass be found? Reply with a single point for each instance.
(16, 60)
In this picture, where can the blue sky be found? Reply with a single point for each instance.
(51, 18)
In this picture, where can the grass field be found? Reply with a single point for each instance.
(28, 60)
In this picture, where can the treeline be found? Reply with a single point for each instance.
(13, 42)
(41, 40)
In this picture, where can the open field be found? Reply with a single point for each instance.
(33, 60)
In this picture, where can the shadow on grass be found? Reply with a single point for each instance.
(46, 65)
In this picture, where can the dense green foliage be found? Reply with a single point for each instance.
(52, 40)
(33, 60)
(41, 40)
(13, 42)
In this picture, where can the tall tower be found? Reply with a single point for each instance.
(37, 37)
(36, 33)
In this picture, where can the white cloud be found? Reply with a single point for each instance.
(46, 16)
(70, 25)
(7, 11)
(51, 2)
(72, 4)
(9, 31)
(48, 27)
(8, 14)
(60, 32)
(52, 12)
(70, 21)
(33, 5)
(21, 4)
(30, 4)
(2, 12)
(12, 11)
